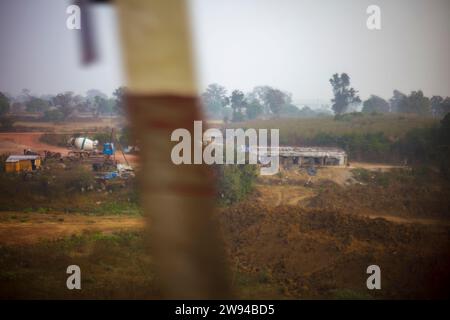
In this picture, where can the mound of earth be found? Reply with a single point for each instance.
(321, 253)
(396, 199)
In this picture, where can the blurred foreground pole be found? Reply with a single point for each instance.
(178, 200)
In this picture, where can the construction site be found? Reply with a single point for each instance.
(105, 161)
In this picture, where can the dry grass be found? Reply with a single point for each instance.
(295, 131)
(113, 266)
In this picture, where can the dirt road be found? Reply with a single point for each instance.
(274, 196)
(16, 142)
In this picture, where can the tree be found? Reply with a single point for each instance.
(215, 99)
(17, 107)
(92, 93)
(307, 112)
(289, 110)
(24, 96)
(254, 109)
(440, 106)
(65, 103)
(104, 106)
(119, 104)
(375, 104)
(5, 121)
(276, 99)
(271, 99)
(417, 103)
(53, 115)
(258, 94)
(445, 107)
(344, 95)
(435, 103)
(398, 101)
(238, 104)
(82, 104)
(234, 181)
(4, 104)
(37, 105)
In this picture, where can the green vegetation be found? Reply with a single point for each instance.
(296, 131)
(102, 137)
(6, 122)
(365, 137)
(68, 190)
(45, 183)
(235, 182)
(53, 115)
(56, 139)
(113, 266)
(4, 104)
(271, 103)
(428, 146)
(375, 104)
(344, 95)
(37, 105)
(261, 101)
(117, 208)
(65, 105)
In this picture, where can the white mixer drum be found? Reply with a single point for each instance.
(83, 143)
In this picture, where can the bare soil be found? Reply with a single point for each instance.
(324, 254)
(16, 142)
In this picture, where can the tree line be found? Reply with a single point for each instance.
(267, 102)
(261, 102)
(62, 106)
(346, 97)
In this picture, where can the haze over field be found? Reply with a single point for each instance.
(293, 45)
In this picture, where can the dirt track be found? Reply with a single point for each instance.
(274, 196)
(16, 142)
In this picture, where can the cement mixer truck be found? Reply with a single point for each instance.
(82, 146)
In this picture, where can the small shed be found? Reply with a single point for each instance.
(17, 163)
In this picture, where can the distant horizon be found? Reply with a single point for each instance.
(314, 103)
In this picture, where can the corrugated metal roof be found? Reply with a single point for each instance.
(15, 158)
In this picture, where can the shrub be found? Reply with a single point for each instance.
(77, 178)
(54, 139)
(54, 115)
(235, 182)
(102, 137)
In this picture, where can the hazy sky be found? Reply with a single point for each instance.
(294, 45)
